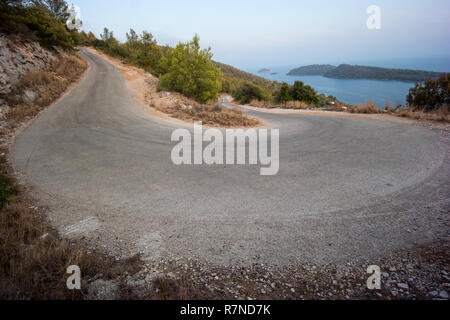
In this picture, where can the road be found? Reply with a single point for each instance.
(347, 188)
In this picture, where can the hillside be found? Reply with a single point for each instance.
(346, 71)
(235, 73)
(312, 70)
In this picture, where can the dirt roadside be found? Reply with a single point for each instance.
(347, 115)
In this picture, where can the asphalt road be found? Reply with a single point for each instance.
(346, 187)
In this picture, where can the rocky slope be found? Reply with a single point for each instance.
(17, 58)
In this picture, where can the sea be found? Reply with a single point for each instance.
(358, 91)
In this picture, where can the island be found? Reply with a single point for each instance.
(346, 71)
(312, 70)
(265, 71)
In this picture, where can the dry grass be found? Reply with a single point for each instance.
(337, 108)
(209, 115)
(368, 108)
(297, 105)
(45, 86)
(179, 289)
(440, 115)
(33, 260)
(179, 107)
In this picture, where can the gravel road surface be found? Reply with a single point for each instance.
(346, 187)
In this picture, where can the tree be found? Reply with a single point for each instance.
(132, 36)
(307, 94)
(191, 71)
(430, 95)
(249, 91)
(46, 19)
(91, 38)
(284, 94)
(57, 8)
(297, 91)
(444, 89)
(147, 38)
(106, 35)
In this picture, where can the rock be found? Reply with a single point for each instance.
(32, 57)
(151, 277)
(96, 277)
(443, 294)
(103, 290)
(433, 294)
(29, 96)
(403, 286)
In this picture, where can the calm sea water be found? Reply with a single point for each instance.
(348, 90)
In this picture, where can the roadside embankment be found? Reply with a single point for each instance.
(33, 258)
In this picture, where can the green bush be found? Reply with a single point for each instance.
(5, 191)
(139, 50)
(191, 72)
(46, 19)
(284, 94)
(300, 92)
(431, 95)
(248, 91)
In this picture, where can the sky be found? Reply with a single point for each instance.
(259, 33)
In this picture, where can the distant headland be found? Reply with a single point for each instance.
(346, 71)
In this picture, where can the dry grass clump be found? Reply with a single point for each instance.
(368, 108)
(180, 107)
(36, 90)
(209, 115)
(33, 261)
(337, 108)
(297, 105)
(441, 114)
(179, 289)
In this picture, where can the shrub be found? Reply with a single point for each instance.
(431, 95)
(5, 191)
(191, 72)
(37, 16)
(300, 92)
(284, 94)
(368, 108)
(249, 91)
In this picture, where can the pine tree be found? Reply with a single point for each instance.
(191, 71)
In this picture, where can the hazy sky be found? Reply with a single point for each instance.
(259, 33)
